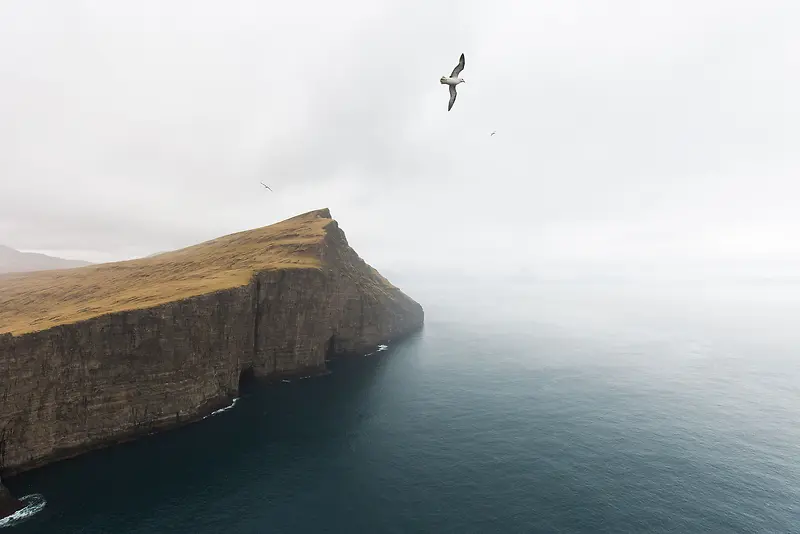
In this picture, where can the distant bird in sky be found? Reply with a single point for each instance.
(454, 80)
(265, 185)
(494, 132)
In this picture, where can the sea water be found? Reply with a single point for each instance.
(534, 407)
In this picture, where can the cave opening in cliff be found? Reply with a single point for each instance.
(330, 351)
(247, 380)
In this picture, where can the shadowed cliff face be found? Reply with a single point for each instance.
(79, 386)
(8, 504)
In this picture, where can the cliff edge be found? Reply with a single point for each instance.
(100, 354)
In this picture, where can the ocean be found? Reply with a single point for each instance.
(552, 407)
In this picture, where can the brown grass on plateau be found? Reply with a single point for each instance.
(36, 301)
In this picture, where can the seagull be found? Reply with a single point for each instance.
(265, 185)
(453, 80)
(494, 132)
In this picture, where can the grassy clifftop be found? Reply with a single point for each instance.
(36, 301)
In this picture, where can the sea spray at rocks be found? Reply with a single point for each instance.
(33, 504)
(380, 348)
(225, 409)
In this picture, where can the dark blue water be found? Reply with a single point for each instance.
(537, 408)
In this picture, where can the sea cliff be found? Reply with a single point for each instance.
(100, 354)
(8, 503)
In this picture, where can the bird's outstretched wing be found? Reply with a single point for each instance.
(457, 70)
(265, 185)
(452, 97)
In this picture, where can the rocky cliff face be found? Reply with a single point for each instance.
(8, 503)
(81, 385)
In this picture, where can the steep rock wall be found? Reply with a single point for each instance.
(347, 307)
(80, 386)
(8, 503)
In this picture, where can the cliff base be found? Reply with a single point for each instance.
(8, 504)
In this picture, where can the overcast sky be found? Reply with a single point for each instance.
(628, 132)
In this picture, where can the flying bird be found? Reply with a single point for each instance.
(494, 132)
(454, 80)
(265, 185)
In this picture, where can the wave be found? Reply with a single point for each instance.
(379, 349)
(34, 503)
(225, 409)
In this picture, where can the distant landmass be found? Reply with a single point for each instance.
(14, 261)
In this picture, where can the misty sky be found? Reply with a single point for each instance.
(628, 132)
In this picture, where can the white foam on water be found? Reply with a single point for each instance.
(225, 409)
(34, 503)
(379, 349)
